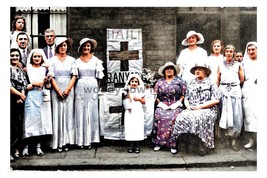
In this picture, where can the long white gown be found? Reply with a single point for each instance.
(62, 110)
(86, 101)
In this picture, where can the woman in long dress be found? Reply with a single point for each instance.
(63, 70)
(250, 93)
(38, 117)
(90, 69)
(230, 79)
(170, 90)
(134, 119)
(201, 101)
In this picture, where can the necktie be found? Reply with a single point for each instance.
(50, 53)
(24, 57)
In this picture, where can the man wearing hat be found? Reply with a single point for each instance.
(201, 100)
(170, 90)
(192, 54)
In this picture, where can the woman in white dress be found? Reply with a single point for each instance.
(191, 55)
(63, 70)
(215, 58)
(90, 69)
(38, 117)
(250, 93)
(230, 79)
(134, 118)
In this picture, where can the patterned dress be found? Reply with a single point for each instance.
(231, 106)
(168, 93)
(86, 101)
(62, 110)
(199, 122)
(18, 80)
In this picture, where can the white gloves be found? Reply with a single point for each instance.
(163, 106)
(173, 106)
(176, 105)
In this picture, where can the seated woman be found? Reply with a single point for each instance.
(201, 100)
(170, 90)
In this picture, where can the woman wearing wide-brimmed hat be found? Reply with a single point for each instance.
(90, 70)
(201, 100)
(190, 55)
(64, 72)
(170, 90)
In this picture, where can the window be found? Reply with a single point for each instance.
(40, 18)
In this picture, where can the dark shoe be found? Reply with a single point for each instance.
(235, 145)
(201, 149)
(137, 150)
(131, 150)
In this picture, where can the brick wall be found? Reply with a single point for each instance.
(163, 28)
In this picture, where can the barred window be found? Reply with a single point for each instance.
(38, 19)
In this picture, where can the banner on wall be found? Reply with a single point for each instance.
(124, 56)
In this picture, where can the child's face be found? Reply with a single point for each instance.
(134, 82)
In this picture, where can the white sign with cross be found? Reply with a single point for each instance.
(124, 56)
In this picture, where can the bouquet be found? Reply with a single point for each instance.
(148, 77)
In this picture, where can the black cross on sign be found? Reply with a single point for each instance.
(124, 55)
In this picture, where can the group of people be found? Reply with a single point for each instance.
(203, 92)
(44, 83)
(50, 106)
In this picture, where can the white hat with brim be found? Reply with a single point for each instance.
(84, 40)
(202, 65)
(191, 33)
(167, 64)
(60, 40)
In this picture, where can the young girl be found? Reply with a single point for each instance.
(38, 117)
(230, 77)
(134, 114)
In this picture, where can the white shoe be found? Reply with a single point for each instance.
(173, 150)
(11, 158)
(156, 148)
(249, 144)
(25, 152)
(39, 152)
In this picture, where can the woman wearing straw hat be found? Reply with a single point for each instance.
(90, 69)
(170, 90)
(63, 70)
(201, 101)
(191, 55)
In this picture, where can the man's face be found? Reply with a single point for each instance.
(50, 38)
(22, 41)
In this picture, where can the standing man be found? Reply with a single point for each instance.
(49, 50)
(23, 46)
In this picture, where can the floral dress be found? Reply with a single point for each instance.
(168, 93)
(199, 122)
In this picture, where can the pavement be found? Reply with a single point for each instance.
(113, 155)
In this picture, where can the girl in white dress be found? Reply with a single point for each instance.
(134, 115)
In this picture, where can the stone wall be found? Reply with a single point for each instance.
(163, 28)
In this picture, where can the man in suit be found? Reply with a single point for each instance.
(49, 50)
(23, 46)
